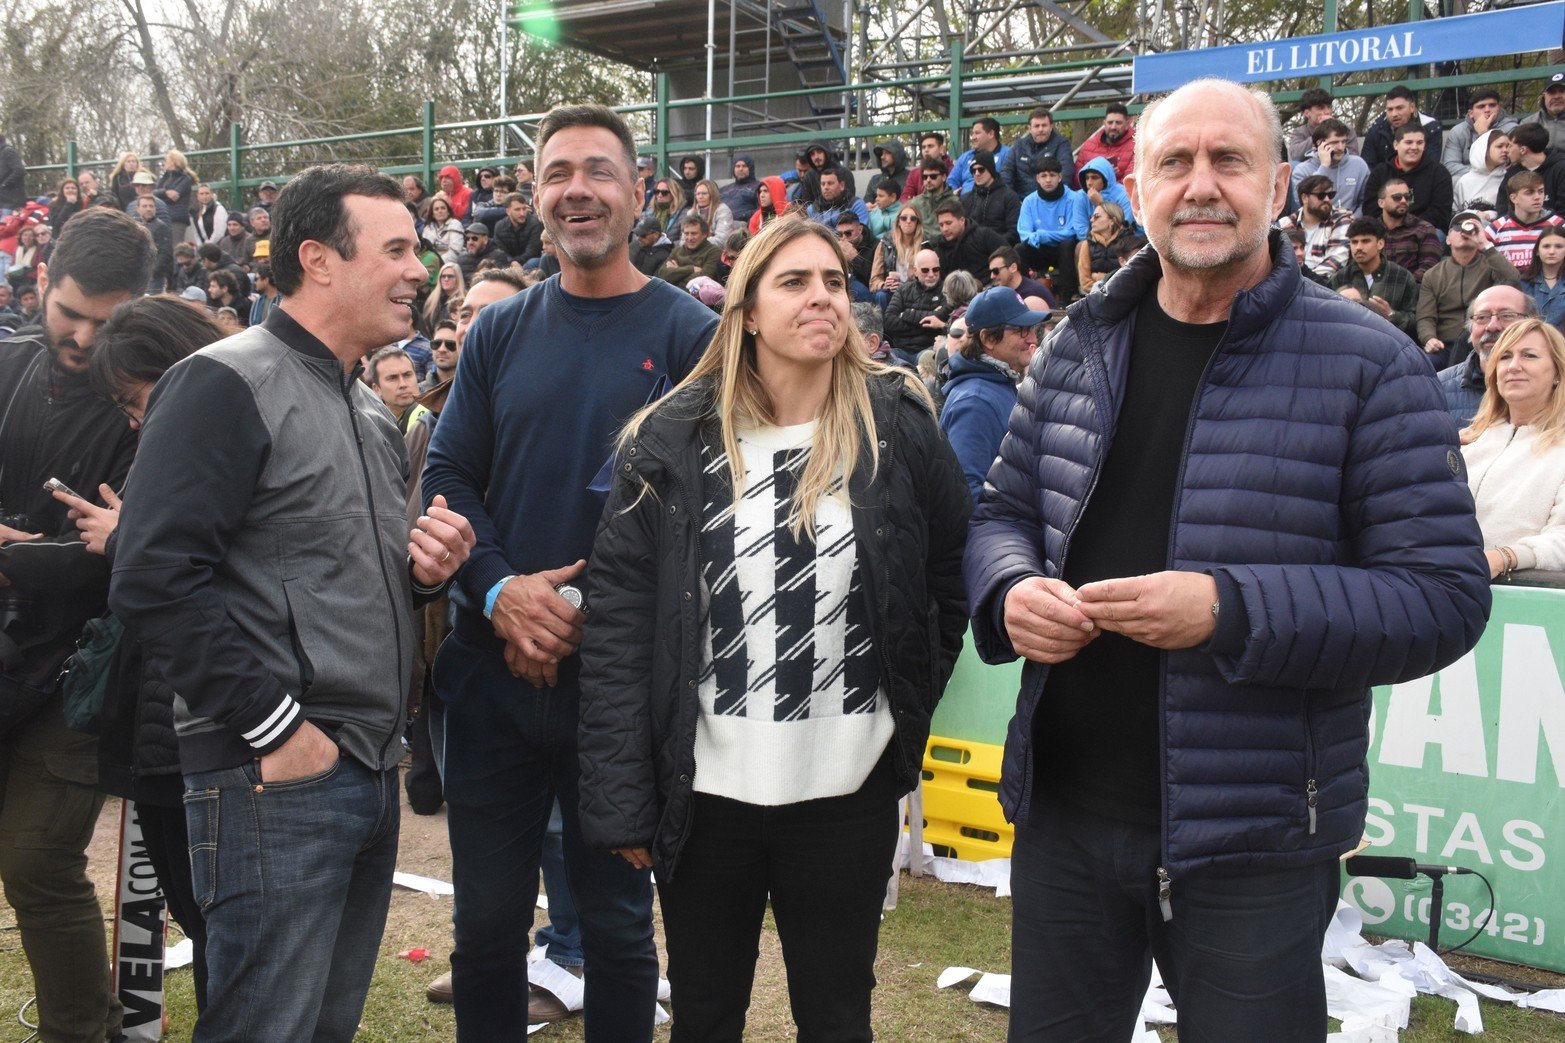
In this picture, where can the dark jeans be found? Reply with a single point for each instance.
(1059, 256)
(167, 837)
(510, 751)
(824, 864)
(1240, 957)
(295, 880)
(561, 936)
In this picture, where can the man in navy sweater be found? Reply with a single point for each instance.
(549, 377)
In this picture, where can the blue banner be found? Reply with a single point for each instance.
(1517, 30)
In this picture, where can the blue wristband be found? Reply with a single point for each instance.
(494, 593)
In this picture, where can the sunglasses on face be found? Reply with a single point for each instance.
(475, 238)
(930, 271)
(996, 271)
(661, 192)
(448, 345)
(1399, 197)
(1323, 195)
(909, 218)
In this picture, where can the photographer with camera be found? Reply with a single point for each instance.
(53, 425)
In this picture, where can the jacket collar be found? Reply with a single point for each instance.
(1253, 309)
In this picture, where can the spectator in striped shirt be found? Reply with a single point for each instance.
(1411, 242)
(1515, 234)
(1324, 226)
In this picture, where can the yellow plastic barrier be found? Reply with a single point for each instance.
(962, 816)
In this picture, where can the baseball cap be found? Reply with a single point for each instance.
(1469, 221)
(1000, 306)
(193, 293)
(648, 225)
(263, 250)
(267, 184)
(645, 163)
(143, 177)
(477, 228)
(1556, 82)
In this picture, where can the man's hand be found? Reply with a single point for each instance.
(1433, 345)
(95, 523)
(539, 627)
(1332, 155)
(307, 752)
(1483, 120)
(893, 280)
(10, 535)
(1378, 304)
(932, 322)
(1164, 609)
(639, 857)
(1095, 197)
(1351, 294)
(1043, 622)
(440, 544)
(173, 195)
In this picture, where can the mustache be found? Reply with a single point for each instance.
(1205, 213)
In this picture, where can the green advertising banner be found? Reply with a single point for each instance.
(1466, 769)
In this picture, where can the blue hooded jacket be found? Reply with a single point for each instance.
(1044, 222)
(1113, 192)
(1321, 486)
(978, 402)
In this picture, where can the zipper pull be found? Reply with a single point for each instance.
(1165, 894)
(1311, 795)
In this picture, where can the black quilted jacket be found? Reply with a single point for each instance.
(641, 655)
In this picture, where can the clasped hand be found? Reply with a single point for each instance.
(1048, 621)
(538, 626)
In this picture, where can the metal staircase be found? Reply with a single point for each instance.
(813, 47)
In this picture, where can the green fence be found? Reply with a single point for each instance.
(1466, 768)
(246, 164)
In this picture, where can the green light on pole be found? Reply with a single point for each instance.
(536, 19)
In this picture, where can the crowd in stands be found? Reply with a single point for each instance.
(957, 269)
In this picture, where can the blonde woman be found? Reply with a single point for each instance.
(442, 230)
(707, 203)
(666, 204)
(1515, 451)
(120, 178)
(1095, 257)
(893, 263)
(775, 607)
(449, 286)
(174, 186)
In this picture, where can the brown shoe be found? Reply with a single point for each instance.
(544, 1007)
(439, 990)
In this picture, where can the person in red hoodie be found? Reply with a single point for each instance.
(773, 199)
(1114, 141)
(457, 190)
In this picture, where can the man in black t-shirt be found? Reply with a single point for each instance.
(1195, 535)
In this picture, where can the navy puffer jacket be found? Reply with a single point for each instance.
(1321, 486)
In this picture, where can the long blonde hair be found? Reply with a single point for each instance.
(438, 299)
(845, 433)
(713, 201)
(120, 166)
(1550, 424)
(175, 160)
(906, 247)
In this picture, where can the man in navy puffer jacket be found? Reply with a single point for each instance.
(1228, 504)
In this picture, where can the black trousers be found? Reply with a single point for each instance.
(1240, 956)
(825, 864)
(1059, 256)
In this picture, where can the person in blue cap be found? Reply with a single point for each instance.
(1002, 336)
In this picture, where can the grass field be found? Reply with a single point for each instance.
(934, 926)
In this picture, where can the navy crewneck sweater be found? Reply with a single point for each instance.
(545, 382)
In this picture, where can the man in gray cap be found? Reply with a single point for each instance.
(1551, 111)
(266, 195)
(649, 247)
(479, 249)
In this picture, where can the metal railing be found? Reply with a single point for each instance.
(246, 167)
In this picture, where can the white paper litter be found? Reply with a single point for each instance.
(1372, 1002)
(180, 955)
(570, 990)
(429, 885)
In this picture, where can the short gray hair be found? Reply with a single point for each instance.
(867, 318)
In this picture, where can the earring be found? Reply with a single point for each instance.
(750, 332)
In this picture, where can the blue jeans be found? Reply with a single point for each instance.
(295, 879)
(1240, 956)
(510, 751)
(561, 936)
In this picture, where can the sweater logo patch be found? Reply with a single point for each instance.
(646, 364)
(1454, 462)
